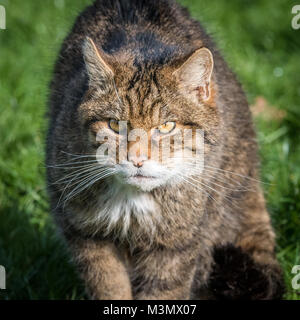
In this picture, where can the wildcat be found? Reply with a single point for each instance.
(142, 228)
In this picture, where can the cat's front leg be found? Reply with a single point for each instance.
(102, 268)
(164, 275)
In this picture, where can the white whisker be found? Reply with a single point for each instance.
(87, 184)
(83, 169)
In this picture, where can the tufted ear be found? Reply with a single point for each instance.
(99, 71)
(194, 76)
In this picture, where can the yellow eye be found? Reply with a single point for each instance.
(114, 125)
(167, 127)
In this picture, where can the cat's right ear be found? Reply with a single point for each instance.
(99, 71)
(194, 76)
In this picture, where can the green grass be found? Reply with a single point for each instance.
(258, 42)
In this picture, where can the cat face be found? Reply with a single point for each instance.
(147, 158)
(147, 128)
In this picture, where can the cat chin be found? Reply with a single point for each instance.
(145, 184)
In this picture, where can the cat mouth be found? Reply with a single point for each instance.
(141, 177)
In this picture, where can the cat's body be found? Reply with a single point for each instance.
(159, 233)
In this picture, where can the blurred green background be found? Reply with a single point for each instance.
(259, 43)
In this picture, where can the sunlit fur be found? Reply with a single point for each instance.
(149, 230)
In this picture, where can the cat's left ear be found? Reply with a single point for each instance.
(194, 76)
(99, 71)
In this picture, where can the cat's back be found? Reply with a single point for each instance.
(120, 23)
(151, 32)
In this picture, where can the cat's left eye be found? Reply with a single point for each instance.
(114, 125)
(167, 127)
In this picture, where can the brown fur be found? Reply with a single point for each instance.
(142, 46)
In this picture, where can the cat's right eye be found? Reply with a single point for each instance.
(167, 127)
(114, 125)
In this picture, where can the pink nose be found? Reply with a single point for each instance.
(138, 164)
(138, 161)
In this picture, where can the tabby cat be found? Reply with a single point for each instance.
(152, 228)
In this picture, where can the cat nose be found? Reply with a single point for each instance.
(138, 161)
(138, 164)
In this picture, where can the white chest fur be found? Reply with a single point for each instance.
(118, 207)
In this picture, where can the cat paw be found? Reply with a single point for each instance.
(235, 276)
